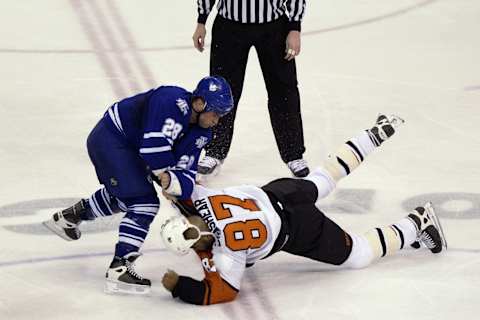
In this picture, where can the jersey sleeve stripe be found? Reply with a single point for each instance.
(191, 173)
(155, 149)
(156, 142)
(153, 135)
(190, 178)
(115, 117)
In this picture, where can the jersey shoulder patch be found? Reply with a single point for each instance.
(182, 105)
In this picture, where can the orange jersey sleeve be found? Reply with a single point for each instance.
(217, 290)
(211, 290)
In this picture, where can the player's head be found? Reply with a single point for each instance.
(179, 235)
(216, 93)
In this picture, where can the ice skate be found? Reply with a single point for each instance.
(429, 229)
(208, 167)
(122, 278)
(384, 128)
(299, 168)
(65, 223)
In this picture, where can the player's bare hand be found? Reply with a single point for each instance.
(164, 180)
(292, 48)
(169, 280)
(199, 37)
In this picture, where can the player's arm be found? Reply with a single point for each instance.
(351, 154)
(212, 289)
(163, 125)
(177, 184)
(179, 181)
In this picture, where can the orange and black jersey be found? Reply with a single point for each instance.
(245, 226)
(247, 223)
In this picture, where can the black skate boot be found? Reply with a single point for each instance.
(208, 167)
(299, 168)
(429, 229)
(65, 223)
(384, 128)
(122, 278)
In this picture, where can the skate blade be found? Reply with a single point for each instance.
(116, 287)
(52, 226)
(436, 222)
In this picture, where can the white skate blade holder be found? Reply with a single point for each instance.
(52, 226)
(436, 222)
(395, 120)
(117, 287)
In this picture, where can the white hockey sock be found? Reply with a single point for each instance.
(349, 156)
(345, 160)
(380, 242)
(388, 240)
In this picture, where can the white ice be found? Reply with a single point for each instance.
(63, 62)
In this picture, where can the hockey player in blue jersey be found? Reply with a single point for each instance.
(139, 138)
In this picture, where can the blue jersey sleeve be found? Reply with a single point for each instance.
(167, 119)
(187, 153)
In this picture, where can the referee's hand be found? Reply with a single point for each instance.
(199, 37)
(292, 48)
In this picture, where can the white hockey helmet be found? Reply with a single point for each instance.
(173, 234)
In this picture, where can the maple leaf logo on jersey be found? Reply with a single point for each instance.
(213, 87)
(183, 106)
(201, 142)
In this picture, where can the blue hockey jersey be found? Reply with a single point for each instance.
(187, 153)
(157, 124)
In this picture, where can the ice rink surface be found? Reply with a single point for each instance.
(64, 62)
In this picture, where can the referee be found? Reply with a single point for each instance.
(273, 28)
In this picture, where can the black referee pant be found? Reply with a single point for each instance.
(231, 42)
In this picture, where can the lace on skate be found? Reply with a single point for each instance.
(427, 240)
(130, 269)
(424, 235)
(114, 283)
(297, 165)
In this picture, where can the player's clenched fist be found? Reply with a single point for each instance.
(169, 280)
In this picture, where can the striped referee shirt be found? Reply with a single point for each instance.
(254, 11)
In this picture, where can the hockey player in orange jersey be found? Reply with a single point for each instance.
(233, 228)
